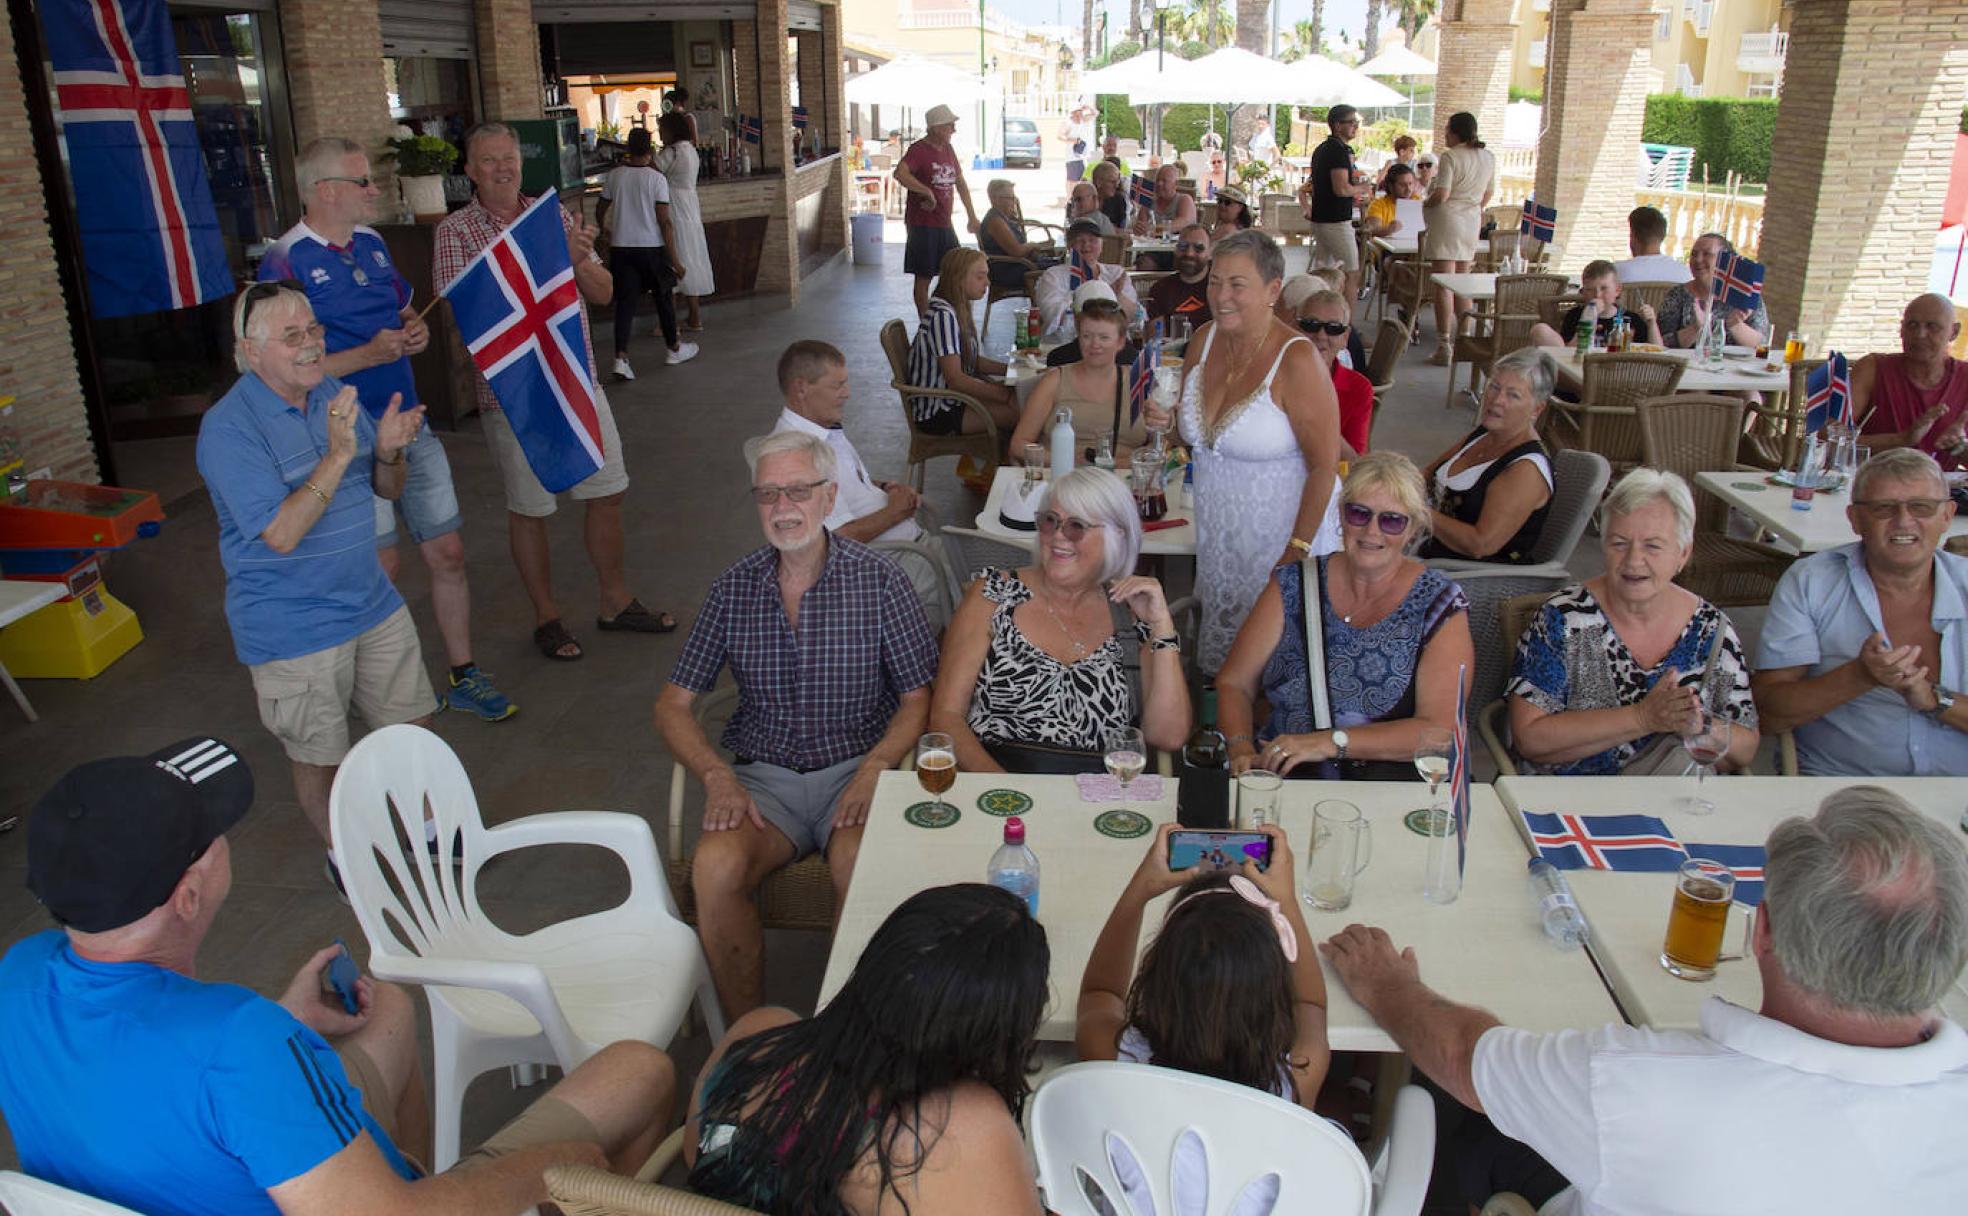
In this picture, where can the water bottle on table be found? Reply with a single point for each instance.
(1563, 922)
(1015, 867)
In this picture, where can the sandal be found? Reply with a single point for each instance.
(636, 619)
(553, 639)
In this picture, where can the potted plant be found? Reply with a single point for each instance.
(421, 163)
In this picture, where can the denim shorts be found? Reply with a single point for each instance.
(429, 503)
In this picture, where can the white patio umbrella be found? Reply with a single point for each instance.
(1318, 81)
(910, 80)
(1398, 61)
(1139, 72)
(1232, 75)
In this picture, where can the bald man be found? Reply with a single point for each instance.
(1919, 397)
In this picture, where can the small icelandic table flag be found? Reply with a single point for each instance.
(1142, 192)
(1539, 222)
(1605, 842)
(1744, 860)
(1078, 271)
(1459, 770)
(1738, 280)
(799, 118)
(1828, 394)
(1141, 376)
(749, 129)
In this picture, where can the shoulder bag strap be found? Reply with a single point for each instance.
(1311, 590)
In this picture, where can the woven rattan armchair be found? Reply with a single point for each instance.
(1692, 434)
(923, 446)
(1604, 421)
(583, 1190)
(1508, 242)
(1000, 291)
(1405, 284)
(1651, 292)
(1513, 617)
(1776, 429)
(1578, 482)
(1385, 355)
(1506, 327)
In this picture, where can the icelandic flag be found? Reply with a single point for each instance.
(1828, 394)
(799, 118)
(1459, 770)
(1745, 860)
(150, 234)
(1605, 842)
(1142, 374)
(1078, 271)
(519, 312)
(1740, 279)
(1142, 192)
(749, 128)
(1539, 222)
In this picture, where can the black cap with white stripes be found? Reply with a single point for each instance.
(110, 841)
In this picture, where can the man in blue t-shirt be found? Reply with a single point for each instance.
(127, 1078)
(372, 330)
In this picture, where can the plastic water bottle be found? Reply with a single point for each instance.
(1588, 324)
(1015, 867)
(1563, 922)
(1062, 442)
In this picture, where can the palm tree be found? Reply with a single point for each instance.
(1136, 33)
(1370, 46)
(1252, 24)
(1318, 46)
(1414, 15)
(1086, 34)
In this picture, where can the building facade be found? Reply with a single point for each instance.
(1701, 48)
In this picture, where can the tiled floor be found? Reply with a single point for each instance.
(583, 738)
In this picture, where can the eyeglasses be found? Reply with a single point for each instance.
(1192, 246)
(363, 182)
(260, 293)
(1072, 529)
(294, 339)
(1889, 508)
(766, 496)
(1312, 325)
(1359, 515)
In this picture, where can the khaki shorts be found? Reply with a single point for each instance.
(547, 1121)
(524, 493)
(1336, 241)
(305, 701)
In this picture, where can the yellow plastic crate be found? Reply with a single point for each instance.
(71, 639)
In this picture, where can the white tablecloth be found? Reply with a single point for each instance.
(1824, 526)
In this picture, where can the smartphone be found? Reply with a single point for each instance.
(341, 975)
(1218, 850)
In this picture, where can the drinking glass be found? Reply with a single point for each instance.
(1127, 755)
(1341, 847)
(1034, 455)
(1698, 918)
(1431, 759)
(1795, 344)
(1708, 743)
(936, 765)
(1257, 798)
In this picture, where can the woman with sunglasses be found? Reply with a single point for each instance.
(1233, 213)
(1493, 490)
(1395, 637)
(1094, 389)
(1035, 662)
(1325, 318)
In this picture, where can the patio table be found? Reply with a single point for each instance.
(1736, 375)
(1403, 244)
(1824, 526)
(1179, 541)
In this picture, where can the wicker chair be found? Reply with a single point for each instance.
(923, 446)
(1691, 434)
(799, 896)
(1646, 291)
(1578, 481)
(1405, 284)
(1776, 432)
(1385, 355)
(1511, 243)
(1113, 249)
(1001, 292)
(583, 1190)
(1604, 421)
(1488, 591)
(1506, 327)
(1551, 309)
(1513, 617)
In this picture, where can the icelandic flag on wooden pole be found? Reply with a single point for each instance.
(150, 234)
(1141, 376)
(519, 311)
(1828, 394)
(1143, 192)
(1740, 280)
(1459, 770)
(1539, 222)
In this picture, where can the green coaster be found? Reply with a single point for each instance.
(1122, 825)
(1004, 803)
(929, 815)
(1416, 821)
(1748, 485)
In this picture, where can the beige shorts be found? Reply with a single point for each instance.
(305, 701)
(1337, 242)
(524, 493)
(547, 1121)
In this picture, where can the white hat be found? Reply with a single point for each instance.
(938, 115)
(1019, 509)
(1093, 289)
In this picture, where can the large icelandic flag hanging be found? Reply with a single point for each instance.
(150, 235)
(519, 311)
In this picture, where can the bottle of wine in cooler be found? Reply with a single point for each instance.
(1202, 798)
(1015, 867)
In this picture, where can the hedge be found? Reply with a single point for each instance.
(1728, 134)
(1182, 125)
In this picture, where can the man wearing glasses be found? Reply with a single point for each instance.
(1332, 191)
(1186, 292)
(1865, 649)
(364, 304)
(833, 661)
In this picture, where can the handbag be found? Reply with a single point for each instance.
(1665, 756)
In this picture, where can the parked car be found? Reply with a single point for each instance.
(1021, 142)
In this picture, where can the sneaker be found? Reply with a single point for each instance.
(1441, 357)
(623, 371)
(476, 693)
(335, 880)
(684, 353)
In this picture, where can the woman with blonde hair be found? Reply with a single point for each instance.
(945, 355)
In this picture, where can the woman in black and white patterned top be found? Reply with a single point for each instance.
(1033, 656)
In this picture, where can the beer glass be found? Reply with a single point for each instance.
(1795, 344)
(1342, 845)
(1035, 461)
(1702, 893)
(936, 765)
(1257, 798)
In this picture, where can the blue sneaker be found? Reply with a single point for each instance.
(476, 693)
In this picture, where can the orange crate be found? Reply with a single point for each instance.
(76, 515)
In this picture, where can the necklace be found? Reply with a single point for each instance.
(1079, 648)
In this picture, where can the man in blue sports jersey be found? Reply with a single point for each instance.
(128, 1078)
(372, 330)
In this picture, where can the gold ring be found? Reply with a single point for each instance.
(334, 413)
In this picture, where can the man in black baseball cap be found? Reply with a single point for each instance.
(127, 1078)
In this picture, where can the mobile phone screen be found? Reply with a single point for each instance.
(1218, 850)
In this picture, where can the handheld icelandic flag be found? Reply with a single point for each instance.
(799, 118)
(519, 312)
(1539, 222)
(1078, 271)
(749, 129)
(1141, 192)
(1744, 860)
(1828, 395)
(1605, 842)
(1141, 375)
(150, 234)
(1459, 770)
(1739, 280)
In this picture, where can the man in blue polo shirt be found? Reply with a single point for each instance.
(372, 330)
(294, 466)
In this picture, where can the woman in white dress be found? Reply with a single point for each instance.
(678, 162)
(1262, 422)
(1453, 209)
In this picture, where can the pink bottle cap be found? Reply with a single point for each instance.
(1014, 830)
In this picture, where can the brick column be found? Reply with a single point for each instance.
(779, 259)
(1596, 77)
(335, 76)
(508, 58)
(1474, 71)
(37, 355)
(834, 121)
(1865, 134)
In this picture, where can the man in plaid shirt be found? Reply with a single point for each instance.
(492, 162)
(834, 660)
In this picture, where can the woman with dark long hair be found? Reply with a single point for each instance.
(905, 1092)
(1453, 210)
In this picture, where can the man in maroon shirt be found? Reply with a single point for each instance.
(930, 173)
(1186, 292)
(1919, 397)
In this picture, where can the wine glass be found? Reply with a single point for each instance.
(1707, 743)
(1431, 759)
(936, 765)
(1127, 755)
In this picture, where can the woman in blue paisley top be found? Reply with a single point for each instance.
(1033, 656)
(1396, 638)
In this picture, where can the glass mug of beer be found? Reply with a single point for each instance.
(1702, 893)
(936, 765)
(1342, 845)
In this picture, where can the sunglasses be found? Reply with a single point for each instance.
(1889, 508)
(766, 496)
(1072, 529)
(362, 182)
(1359, 515)
(1312, 326)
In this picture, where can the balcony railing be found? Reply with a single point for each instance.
(1537, 54)
(1663, 25)
(1699, 13)
(1762, 54)
(1684, 81)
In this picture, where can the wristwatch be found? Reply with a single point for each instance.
(1340, 740)
(1943, 701)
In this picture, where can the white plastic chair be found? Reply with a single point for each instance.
(554, 996)
(25, 1196)
(1087, 1117)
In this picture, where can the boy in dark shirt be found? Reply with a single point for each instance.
(1599, 284)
